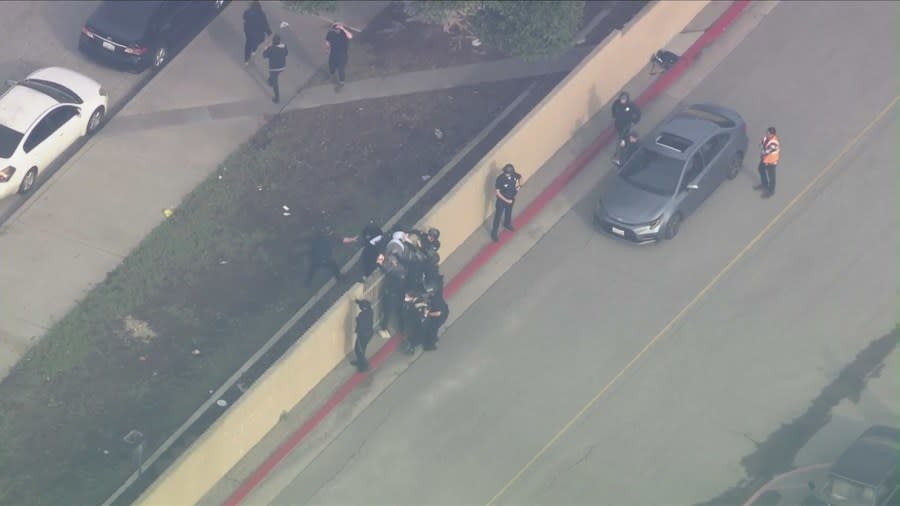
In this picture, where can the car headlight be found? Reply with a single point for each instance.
(655, 223)
(7, 173)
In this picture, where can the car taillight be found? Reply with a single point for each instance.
(85, 30)
(137, 51)
(7, 173)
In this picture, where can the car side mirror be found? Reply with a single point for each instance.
(693, 186)
(11, 82)
(78, 112)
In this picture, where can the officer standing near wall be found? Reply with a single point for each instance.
(436, 315)
(505, 190)
(364, 330)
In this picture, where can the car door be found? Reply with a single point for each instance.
(52, 135)
(717, 158)
(68, 128)
(694, 186)
(173, 21)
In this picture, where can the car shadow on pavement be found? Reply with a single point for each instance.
(65, 19)
(777, 453)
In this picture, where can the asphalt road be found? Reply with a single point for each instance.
(768, 306)
(38, 34)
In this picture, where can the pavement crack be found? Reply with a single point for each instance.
(584, 457)
(353, 456)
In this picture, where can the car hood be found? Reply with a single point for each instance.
(628, 204)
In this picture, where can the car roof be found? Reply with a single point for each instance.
(124, 19)
(20, 106)
(871, 458)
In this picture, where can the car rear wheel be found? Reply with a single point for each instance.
(28, 181)
(672, 226)
(95, 120)
(160, 57)
(736, 164)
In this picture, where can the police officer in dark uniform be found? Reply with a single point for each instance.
(321, 255)
(505, 189)
(364, 331)
(372, 239)
(391, 290)
(435, 316)
(414, 308)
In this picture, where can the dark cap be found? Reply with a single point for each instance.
(771, 130)
(509, 169)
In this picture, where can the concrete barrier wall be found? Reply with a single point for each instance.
(463, 211)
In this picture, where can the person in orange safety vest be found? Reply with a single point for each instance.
(768, 160)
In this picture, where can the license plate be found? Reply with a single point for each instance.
(108, 45)
(618, 231)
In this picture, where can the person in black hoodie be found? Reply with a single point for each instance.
(364, 330)
(277, 56)
(626, 114)
(373, 241)
(321, 255)
(256, 29)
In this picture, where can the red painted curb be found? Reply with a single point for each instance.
(659, 85)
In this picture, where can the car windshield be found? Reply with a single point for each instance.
(9, 141)
(653, 172)
(844, 491)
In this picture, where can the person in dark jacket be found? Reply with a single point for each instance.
(506, 187)
(321, 255)
(391, 290)
(435, 315)
(372, 239)
(277, 56)
(626, 114)
(414, 308)
(338, 43)
(626, 148)
(256, 29)
(364, 330)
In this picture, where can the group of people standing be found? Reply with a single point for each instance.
(257, 30)
(412, 292)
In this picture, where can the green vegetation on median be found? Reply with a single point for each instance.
(212, 283)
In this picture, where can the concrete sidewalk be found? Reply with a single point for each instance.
(98, 207)
(380, 87)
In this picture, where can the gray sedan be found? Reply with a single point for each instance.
(672, 171)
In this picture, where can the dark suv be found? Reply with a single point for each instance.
(866, 473)
(141, 34)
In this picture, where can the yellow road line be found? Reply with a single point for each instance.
(715, 280)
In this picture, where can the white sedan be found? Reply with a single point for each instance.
(40, 118)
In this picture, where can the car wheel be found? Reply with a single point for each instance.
(673, 225)
(95, 120)
(736, 164)
(28, 181)
(160, 57)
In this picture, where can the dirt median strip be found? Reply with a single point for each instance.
(485, 255)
